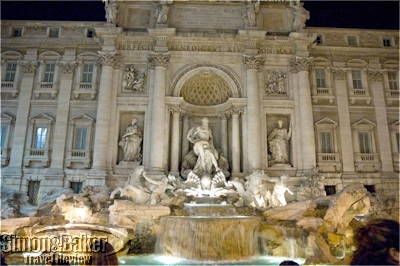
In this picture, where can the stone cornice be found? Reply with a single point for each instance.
(162, 34)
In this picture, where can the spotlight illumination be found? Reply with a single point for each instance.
(168, 260)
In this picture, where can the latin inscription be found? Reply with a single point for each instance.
(207, 17)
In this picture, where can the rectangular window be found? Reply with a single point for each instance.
(80, 138)
(76, 187)
(352, 40)
(393, 84)
(319, 39)
(356, 74)
(386, 42)
(87, 73)
(33, 192)
(3, 137)
(17, 32)
(364, 141)
(320, 75)
(49, 72)
(40, 138)
(10, 72)
(90, 33)
(54, 33)
(326, 142)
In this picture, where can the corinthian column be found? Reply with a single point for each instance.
(253, 64)
(302, 66)
(160, 62)
(224, 133)
(175, 140)
(185, 130)
(235, 141)
(108, 61)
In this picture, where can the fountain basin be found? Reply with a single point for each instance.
(231, 238)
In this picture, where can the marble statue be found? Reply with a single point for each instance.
(161, 12)
(131, 142)
(301, 15)
(111, 8)
(250, 12)
(280, 187)
(278, 144)
(313, 185)
(203, 147)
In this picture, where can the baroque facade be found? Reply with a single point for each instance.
(73, 94)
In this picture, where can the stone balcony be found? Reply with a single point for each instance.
(360, 95)
(78, 157)
(37, 157)
(392, 96)
(329, 162)
(367, 162)
(11, 87)
(85, 88)
(323, 95)
(46, 87)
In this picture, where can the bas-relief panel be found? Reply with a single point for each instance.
(135, 79)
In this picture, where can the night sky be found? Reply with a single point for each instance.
(340, 14)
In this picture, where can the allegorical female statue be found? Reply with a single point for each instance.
(131, 142)
(278, 143)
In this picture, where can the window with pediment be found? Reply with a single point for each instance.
(47, 85)
(320, 77)
(366, 157)
(10, 74)
(86, 77)
(391, 81)
(7, 128)
(328, 157)
(38, 152)
(80, 142)
(357, 82)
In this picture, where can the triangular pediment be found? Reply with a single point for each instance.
(82, 117)
(364, 123)
(6, 118)
(326, 121)
(395, 126)
(42, 117)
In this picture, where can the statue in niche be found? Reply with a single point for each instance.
(111, 8)
(276, 83)
(133, 80)
(131, 142)
(250, 12)
(202, 162)
(301, 15)
(280, 187)
(161, 12)
(278, 144)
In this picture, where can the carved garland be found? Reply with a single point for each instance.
(67, 67)
(29, 66)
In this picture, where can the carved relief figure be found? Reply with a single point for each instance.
(132, 80)
(276, 82)
(250, 12)
(301, 15)
(280, 187)
(131, 142)
(278, 144)
(161, 12)
(111, 8)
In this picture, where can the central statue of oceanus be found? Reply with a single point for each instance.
(204, 165)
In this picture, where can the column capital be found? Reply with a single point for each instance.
(185, 115)
(302, 64)
(159, 59)
(175, 110)
(375, 75)
(237, 111)
(225, 115)
(67, 67)
(340, 73)
(253, 61)
(111, 59)
(29, 66)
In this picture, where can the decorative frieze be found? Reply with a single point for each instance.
(340, 73)
(253, 62)
(111, 59)
(159, 59)
(29, 66)
(67, 67)
(302, 64)
(275, 82)
(375, 75)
